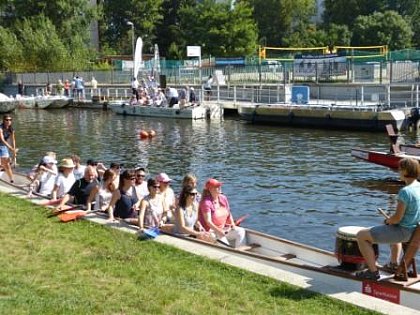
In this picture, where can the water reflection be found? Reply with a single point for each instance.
(301, 184)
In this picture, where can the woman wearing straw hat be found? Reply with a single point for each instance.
(64, 180)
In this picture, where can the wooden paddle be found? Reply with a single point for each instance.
(66, 208)
(240, 219)
(384, 214)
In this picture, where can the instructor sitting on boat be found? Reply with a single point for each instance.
(399, 227)
(215, 215)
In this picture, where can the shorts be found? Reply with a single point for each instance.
(4, 152)
(390, 234)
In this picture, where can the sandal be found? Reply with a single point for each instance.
(368, 275)
(390, 267)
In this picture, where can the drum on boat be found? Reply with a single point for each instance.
(347, 250)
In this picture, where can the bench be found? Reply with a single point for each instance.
(409, 258)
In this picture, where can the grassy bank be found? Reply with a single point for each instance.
(47, 267)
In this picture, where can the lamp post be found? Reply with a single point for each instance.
(129, 23)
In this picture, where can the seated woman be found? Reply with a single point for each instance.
(399, 227)
(102, 193)
(215, 215)
(186, 216)
(151, 207)
(64, 180)
(124, 202)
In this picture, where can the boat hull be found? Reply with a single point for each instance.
(194, 113)
(7, 106)
(59, 102)
(324, 117)
(390, 160)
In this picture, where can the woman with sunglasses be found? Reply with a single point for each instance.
(124, 203)
(215, 215)
(7, 145)
(151, 207)
(186, 215)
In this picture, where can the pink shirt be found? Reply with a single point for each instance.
(219, 216)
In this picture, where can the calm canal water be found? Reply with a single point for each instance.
(301, 184)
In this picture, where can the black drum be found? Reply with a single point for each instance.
(347, 250)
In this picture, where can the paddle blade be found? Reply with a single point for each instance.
(71, 216)
(241, 219)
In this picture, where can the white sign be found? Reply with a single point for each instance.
(193, 51)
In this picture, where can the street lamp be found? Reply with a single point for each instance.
(129, 23)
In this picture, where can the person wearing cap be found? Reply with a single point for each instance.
(168, 196)
(80, 190)
(64, 180)
(215, 215)
(47, 175)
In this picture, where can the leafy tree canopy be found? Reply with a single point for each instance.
(388, 28)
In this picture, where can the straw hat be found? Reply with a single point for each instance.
(67, 163)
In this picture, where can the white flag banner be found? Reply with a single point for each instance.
(138, 56)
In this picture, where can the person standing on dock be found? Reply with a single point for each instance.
(7, 145)
(399, 227)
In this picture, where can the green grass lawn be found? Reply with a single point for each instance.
(47, 267)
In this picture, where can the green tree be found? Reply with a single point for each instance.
(344, 12)
(220, 29)
(388, 28)
(56, 33)
(144, 14)
(278, 19)
(169, 34)
(10, 51)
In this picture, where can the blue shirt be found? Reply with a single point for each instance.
(410, 196)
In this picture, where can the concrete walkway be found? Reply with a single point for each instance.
(303, 281)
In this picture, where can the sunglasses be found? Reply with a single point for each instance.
(192, 194)
(8, 119)
(156, 186)
(139, 175)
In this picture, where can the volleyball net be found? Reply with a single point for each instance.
(350, 52)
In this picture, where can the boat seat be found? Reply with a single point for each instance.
(285, 257)
(409, 258)
(248, 247)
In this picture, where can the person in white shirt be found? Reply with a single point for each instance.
(135, 88)
(64, 180)
(168, 195)
(79, 169)
(172, 95)
(141, 183)
(48, 176)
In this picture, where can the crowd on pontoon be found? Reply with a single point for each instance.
(129, 195)
(148, 93)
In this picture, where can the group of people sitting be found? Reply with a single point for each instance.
(126, 194)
